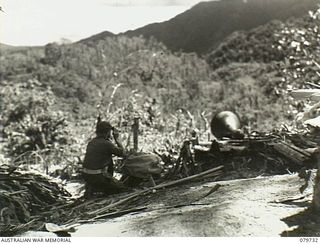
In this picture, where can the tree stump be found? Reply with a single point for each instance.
(135, 128)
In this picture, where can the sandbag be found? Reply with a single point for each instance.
(142, 165)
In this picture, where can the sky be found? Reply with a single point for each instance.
(38, 22)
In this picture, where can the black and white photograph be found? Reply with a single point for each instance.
(159, 118)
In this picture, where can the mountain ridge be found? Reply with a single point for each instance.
(204, 26)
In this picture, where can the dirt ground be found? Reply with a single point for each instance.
(259, 207)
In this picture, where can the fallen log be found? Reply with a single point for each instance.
(300, 150)
(291, 152)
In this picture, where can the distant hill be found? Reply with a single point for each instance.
(5, 46)
(10, 48)
(207, 24)
(256, 45)
(97, 37)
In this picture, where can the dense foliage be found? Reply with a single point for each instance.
(51, 96)
(300, 40)
(257, 45)
(87, 74)
(34, 129)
